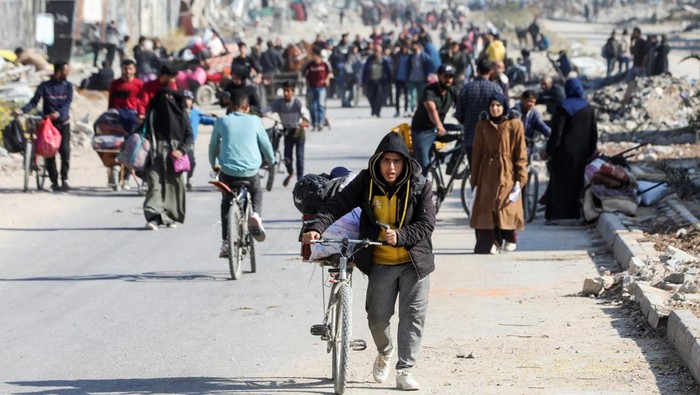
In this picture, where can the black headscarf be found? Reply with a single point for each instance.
(169, 115)
(504, 102)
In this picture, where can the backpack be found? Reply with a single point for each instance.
(312, 190)
(13, 137)
(309, 193)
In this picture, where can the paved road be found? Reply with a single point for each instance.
(91, 303)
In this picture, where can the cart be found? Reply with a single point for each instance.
(107, 142)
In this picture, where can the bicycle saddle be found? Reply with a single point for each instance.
(240, 184)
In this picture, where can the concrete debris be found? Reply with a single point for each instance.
(657, 103)
(689, 287)
(675, 278)
(592, 286)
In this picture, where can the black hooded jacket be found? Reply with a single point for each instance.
(418, 216)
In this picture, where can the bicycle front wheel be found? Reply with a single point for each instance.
(464, 192)
(271, 171)
(251, 253)
(27, 163)
(343, 338)
(234, 242)
(438, 194)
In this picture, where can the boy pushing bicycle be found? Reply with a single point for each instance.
(390, 191)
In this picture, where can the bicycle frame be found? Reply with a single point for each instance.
(443, 189)
(336, 329)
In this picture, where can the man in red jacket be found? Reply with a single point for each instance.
(166, 78)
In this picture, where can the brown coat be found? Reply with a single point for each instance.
(499, 160)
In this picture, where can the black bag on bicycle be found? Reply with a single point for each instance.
(13, 137)
(312, 190)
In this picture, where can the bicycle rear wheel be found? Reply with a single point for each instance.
(41, 174)
(343, 338)
(530, 195)
(234, 242)
(28, 149)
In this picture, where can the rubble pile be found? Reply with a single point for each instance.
(658, 103)
(676, 272)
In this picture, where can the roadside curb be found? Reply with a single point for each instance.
(683, 329)
(684, 333)
(622, 242)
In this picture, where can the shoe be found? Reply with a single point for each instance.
(405, 381)
(509, 247)
(65, 187)
(55, 188)
(287, 180)
(189, 186)
(223, 253)
(126, 186)
(172, 225)
(397, 114)
(256, 228)
(381, 368)
(151, 225)
(494, 250)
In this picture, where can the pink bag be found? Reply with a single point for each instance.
(48, 139)
(182, 164)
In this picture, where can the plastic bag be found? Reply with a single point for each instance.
(347, 226)
(48, 139)
(182, 164)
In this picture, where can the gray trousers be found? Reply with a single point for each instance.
(386, 283)
(165, 199)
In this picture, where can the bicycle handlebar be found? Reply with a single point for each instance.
(349, 242)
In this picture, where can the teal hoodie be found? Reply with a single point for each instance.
(236, 143)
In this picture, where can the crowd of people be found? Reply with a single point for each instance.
(649, 57)
(404, 70)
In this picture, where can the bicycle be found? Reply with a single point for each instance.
(239, 241)
(275, 132)
(32, 162)
(336, 329)
(456, 168)
(531, 190)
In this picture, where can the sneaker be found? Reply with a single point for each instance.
(189, 186)
(494, 250)
(397, 114)
(55, 188)
(223, 253)
(126, 186)
(405, 381)
(509, 247)
(256, 228)
(65, 187)
(287, 180)
(381, 368)
(151, 225)
(172, 225)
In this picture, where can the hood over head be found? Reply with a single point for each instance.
(392, 142)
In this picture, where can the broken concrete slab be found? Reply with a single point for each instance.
(652, 302)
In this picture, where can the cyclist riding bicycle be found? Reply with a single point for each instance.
(391, 191)
(235, 152)
(436, 100)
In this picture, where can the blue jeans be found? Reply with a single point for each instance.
(423, 147)
(317, 98)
